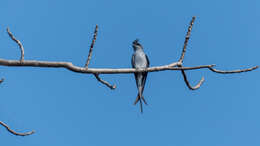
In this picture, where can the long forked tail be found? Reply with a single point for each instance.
(140, 98)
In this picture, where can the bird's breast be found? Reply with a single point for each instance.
(140, 60)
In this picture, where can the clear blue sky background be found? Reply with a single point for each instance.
(67, 108)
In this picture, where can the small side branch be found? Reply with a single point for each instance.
(91, 46)
(187, 39)
(188, 84)
(16, 133)
(18, 42)
(182, 58)
(233, 71)
(104, 82)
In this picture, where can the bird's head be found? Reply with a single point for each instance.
(137, 45)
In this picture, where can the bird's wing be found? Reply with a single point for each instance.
(132, 61)
(133, 65)
(136, 79)
(145, 73)
(148, 62)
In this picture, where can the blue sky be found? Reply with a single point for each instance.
(66, 108)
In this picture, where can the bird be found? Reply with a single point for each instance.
(139, 61)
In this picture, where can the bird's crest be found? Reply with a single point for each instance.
(136, 42)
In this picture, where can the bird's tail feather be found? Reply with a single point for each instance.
(141, 106)
(138, 98)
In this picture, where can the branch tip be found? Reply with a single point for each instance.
(187, 37)
(16, 133)
(188, 84)
(91, 46)
(112, 87)
(17, 42)
(233, 71)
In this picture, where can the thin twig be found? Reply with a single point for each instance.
(104, 82)
(16, 133)
(187, 39)
(188, 84)
(18, 42)
(91, 46)
(233, 71)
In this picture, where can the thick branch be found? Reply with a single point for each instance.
(91, 46)
(71, 67)
(16, 133)
(18, 42)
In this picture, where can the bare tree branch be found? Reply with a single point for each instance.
(77, 69)
(97, 71)
(18, 42)
(104, 82)
(233, 71)
(182, 57)
(187, 39)
(16, 133)
(188, 84)
(89, 57)
(91, 46)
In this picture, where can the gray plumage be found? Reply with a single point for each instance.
(140, 61)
